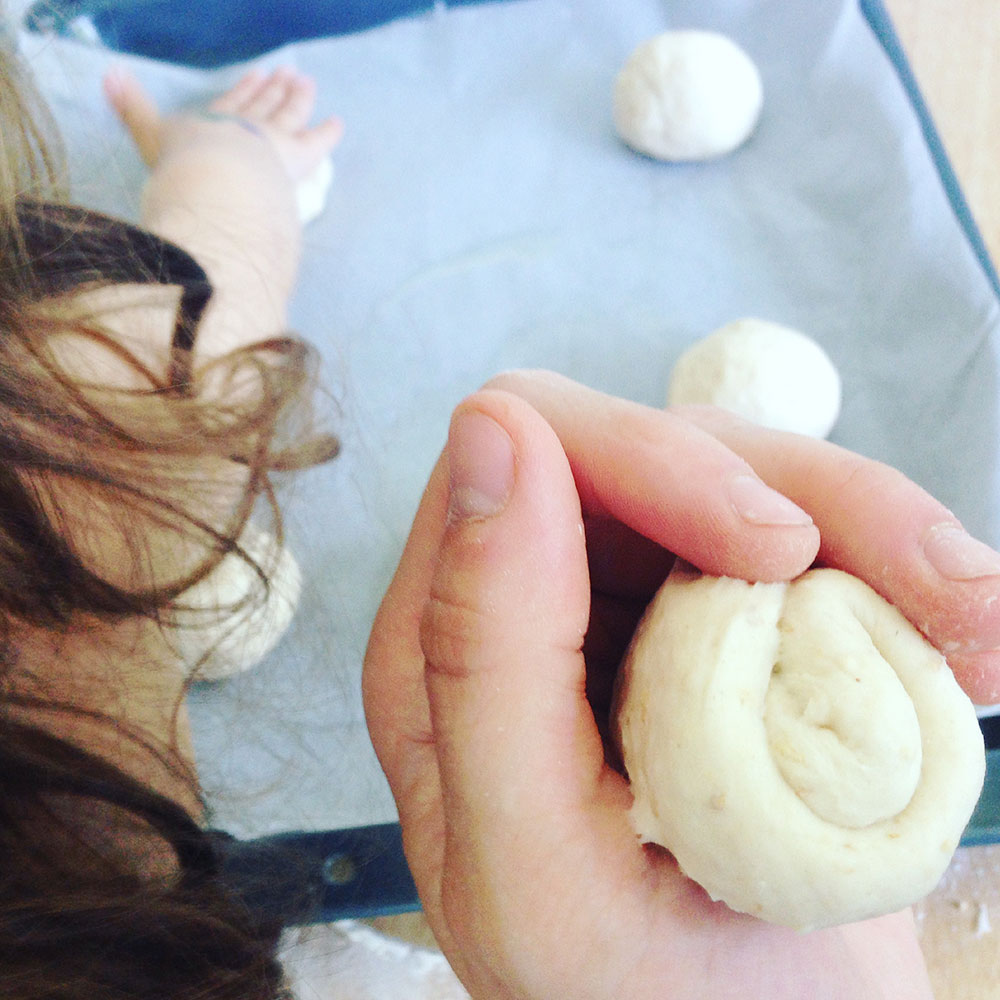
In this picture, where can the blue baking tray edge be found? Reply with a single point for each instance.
(984, 826)
(881, 24)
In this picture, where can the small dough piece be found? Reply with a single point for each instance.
(765, 372)
(687, 95)
(311, 191)
(805, 754)
(227, 622)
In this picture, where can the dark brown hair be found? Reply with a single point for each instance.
(77, 919)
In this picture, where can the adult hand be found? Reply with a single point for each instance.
(549, 521)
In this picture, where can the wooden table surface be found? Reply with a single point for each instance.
(953, 47)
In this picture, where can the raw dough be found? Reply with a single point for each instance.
(805, 754)
(227, 622)
(311, 191)
(765, 372)
(687, 95)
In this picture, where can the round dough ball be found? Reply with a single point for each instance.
(765, 372)
(801, 749)
(227, 622)
(687, 95)
(311, 191)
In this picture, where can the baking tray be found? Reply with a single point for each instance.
(413, 282)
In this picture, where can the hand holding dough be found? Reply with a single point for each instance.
(805, 754)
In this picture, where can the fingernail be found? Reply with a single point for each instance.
(759, 504)
(480, 465)
(956, 555)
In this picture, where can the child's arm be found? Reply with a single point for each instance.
(222, 185)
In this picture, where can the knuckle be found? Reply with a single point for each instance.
(454, 637)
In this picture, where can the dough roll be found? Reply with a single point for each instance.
(800, 748)
(231, 619)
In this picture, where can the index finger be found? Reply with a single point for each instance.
(883, 528)
(670, 481)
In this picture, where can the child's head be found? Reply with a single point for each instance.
(113, 499)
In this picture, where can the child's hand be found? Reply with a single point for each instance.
(277, 106)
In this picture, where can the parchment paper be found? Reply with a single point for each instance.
(485, 216)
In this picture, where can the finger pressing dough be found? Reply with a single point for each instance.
(687, 95)
(230, 620)
(803, 752)
(765, 372)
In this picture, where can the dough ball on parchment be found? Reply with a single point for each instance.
(312, 190)
(765, 372)
(228, 622)
(687, 95)
(801, 749)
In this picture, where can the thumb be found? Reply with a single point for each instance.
(137, 111)
(502, 632)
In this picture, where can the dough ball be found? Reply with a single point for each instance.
(311, 191)
(687, 95)
(801, 749)
(765, 372)
(228, 622)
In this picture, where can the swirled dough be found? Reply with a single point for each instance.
(229, 621)
(765, 372)
(805, 754)
(687, 95)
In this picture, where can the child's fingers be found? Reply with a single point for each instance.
(240, 94)
(137, 111)
(297, 108)
(269, 96)
(319, 140)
